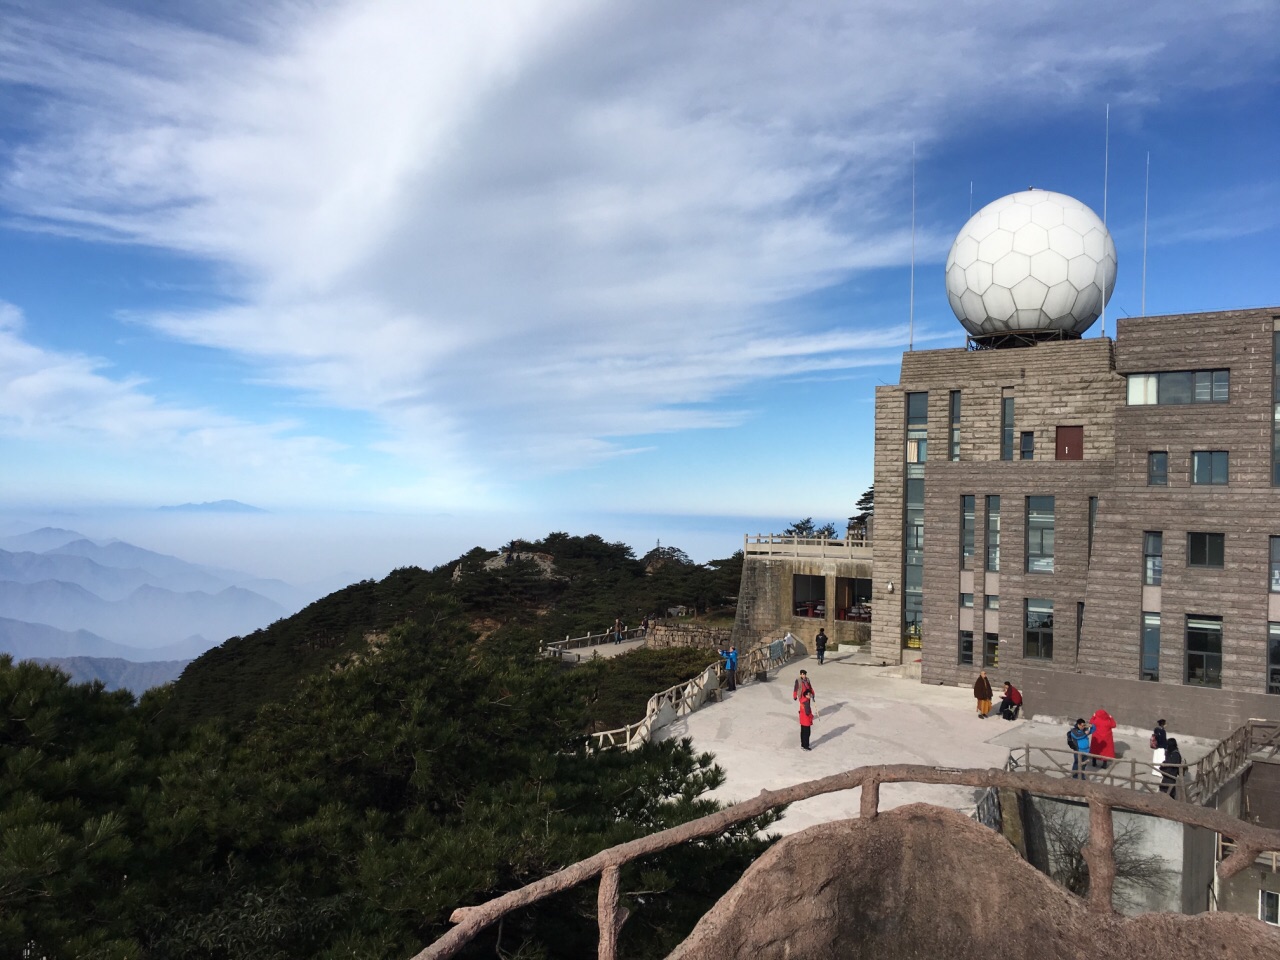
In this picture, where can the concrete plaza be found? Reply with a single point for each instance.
(866, 717)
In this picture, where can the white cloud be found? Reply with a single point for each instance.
(528, 230)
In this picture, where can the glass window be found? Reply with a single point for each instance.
(1039, 534)
(1204, 651)
(991, 649)
(809, 595)
(1273, 658)
(1179, 386)
(1205, 549)
(967, 531)
(1038, 640)
(954, 452)
(853, 598)
(1093, 519)
(1006, 428)
(1150, 665)
(1158, 468)
(1152, 557)
(1275, 564)
(1269, 907)
(917, 408)
(991, 601)
(966, 646)
(993, 534)
(1209, 466)
(1027, 445)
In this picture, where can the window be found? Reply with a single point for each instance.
(809, 595)
(1204, 651)
(1205, 549)
(1275, 564)
(1027, 445)
(1273, 658)
(1275, 415)
(1269, 907)
(1150, 665)
(1209, 466)
(966, 646)
(967, 523)
(853, 599)
(1158, 468)
(1181, 386)
(991, 601)
(993, 534)
(991, 649)
(966, 600)
(917, 419)
(954, 451)
(1006, 424)
(1039, 534)
(1152, 558)
(1093, 519)
(1038, 639)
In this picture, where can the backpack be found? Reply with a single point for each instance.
(1071, 740)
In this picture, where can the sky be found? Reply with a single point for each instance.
(426, 274)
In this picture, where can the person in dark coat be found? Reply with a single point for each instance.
(1171, 769)
(806, 721)
(1010, 702)
(1078, 741)
(802, 687)
(820, 644)
(982, 693)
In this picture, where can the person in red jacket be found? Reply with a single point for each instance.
(1104, 741)
(806, 720)
(1011, 702)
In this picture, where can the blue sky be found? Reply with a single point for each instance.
(555, 261)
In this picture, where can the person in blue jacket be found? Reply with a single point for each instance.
(1078, 741)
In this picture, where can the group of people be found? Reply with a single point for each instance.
(1093, 742)
(1010, 700)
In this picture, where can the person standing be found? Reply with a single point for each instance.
(617, 629)
(803, 687)
(820, 644)
(982, 693)
(806, 721)
(1078, 741)
(733, 668)
(1104, 741)
(1171, 769)
(1158, 742)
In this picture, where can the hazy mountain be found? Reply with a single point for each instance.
(118, 674)
(39, 640)
(215, 506)
(148, 617)
(169, 572)
(109, 583)
(38, 541)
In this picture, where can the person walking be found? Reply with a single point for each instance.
(1171, 769)
(1158, 742)
(1103, 746)
(982, 693)
(820, 644)
(1010, 702)
(806, 721)
(617, 630)
(803, 687)
(1078, 741)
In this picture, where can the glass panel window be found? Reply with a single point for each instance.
(809, 595)
(917, 408)
(991, 649)
(966, 600)
(1269, 907)
(1158, 468)
(1027, 445)
(967, 531)
(966, 646)
(1152, 557)
(1039, 534)
(1006, 428)
(1142, 389)
(1179, 386)
(1205, 549)
(1209, 466)
(993, 534)
(1273, 658)
(1038, 639)
(1204, 651)
(1093, 519)
(1275, 564)
(991, 601)
(1150, 665)
(954, 452)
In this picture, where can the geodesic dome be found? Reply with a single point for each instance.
(1034, 262)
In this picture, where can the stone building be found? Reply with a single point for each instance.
(1097, 520)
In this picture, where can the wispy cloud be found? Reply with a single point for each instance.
(525, 230)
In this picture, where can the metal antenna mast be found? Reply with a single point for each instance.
(911, 303)
(1146, 209)
(1106, 170)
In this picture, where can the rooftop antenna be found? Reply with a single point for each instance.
(971, 199)
(1146, 209)
(1106, 170)
(911, 302)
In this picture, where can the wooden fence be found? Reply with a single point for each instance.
(1249, 841)
(557, 648)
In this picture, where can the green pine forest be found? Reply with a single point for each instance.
(335, 784)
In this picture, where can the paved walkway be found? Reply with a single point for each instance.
(865, 718)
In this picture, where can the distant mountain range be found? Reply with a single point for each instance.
(118, 674)
(63, 595)
(216, 506)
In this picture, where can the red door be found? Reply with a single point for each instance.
(1070, 443)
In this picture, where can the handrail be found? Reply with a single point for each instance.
(683, 698)
(558, 647)
(1250, 840)
(779, 545)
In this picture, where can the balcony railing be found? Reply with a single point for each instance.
(777, 545)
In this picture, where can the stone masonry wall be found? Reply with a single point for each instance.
(766, 608)
(665, 635)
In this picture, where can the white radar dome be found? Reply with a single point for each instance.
(1035, 262)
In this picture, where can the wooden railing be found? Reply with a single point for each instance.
(1250, 841)
(777, 545)
(672, 703)
(1127, 772)
(557, 648)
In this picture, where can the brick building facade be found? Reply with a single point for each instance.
(1097, 521)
